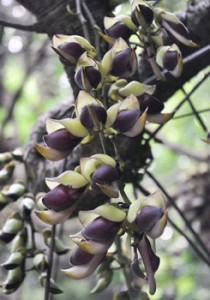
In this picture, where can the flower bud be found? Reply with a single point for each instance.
(87, 74)
(61, 140)
(101, 230)
(14, 279)
(102, 178)
(103, 281)
(150, 103)
(80, 257)
(4, 201)
(174, 27)
(60, 143)
(124, 63)
(119, 29)
(20, 240)
(105, 173)
(87, 78)
(6, 172)
(142, 13)
(15, 259)
(170, 58)
(59, 247)
(11, 227)
(126, 119)
(92, 115)
(84, 263)
(53, 288)
(5, 158)
(148, 217)
(18, 154)
(40, 262)
(70, 48)
(14, 191)
(26, 207)
(61, 197)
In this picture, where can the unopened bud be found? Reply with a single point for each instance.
(12, 226)
(61, 197)
(40, 262)
(101, 230)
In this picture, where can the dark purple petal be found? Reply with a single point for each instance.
(178, 27)
(154, 259)
(170, 60)
(105, 173)
(61, 140)
(136, 268)
(146, 13)
(6, 237)
(99, 113)
(148, 216)
(93, 76)
(80, 257)
(119, 29)
(87, 78)
(151, 103)
(134, 18)
(72, 49)
(126, 119)
(122, 62)
(101, 230)
(61, 197)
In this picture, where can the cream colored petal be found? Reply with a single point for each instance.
(110, 212)
(160, 118)
(50, 153)
(74, 126)
(53, 125)
(82, 271)
(138, 127)
(90, 246)
(133, 210)
(52, 217)
(70, 178)
(136, 88)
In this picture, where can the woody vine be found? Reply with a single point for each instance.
(110, 109)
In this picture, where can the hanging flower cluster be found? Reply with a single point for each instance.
(109, 104)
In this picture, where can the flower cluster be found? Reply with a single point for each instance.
(109, 104)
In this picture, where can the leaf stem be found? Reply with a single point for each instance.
(50, 264)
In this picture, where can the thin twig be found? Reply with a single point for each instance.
(195, 111)
(191, 243)
(180, 149)
(176, 207)
(93, 25)
(50, 264)
(31, 28)
(191, 114)
(180, 104)
(82, 19)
